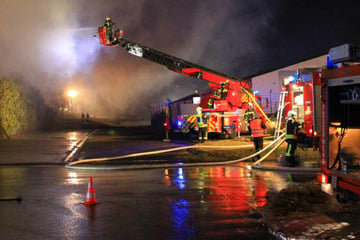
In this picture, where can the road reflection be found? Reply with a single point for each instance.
(176, 203)
(73, 137)
(72, 178)
(181, 219)
(228, 194)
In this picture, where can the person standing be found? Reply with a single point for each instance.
(257, 126)
(109, 28)
(87, 118)
(82, 118)
(249, 115)
(292, 129)
(202, 124)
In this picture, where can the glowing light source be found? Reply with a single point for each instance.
(72, 93)
(179, 123)
(322, 178)
(289, 79)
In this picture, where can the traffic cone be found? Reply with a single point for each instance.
(90, 195)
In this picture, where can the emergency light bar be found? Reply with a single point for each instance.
(344, 53)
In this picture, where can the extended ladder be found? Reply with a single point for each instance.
(279, 115)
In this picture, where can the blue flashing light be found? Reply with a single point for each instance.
(292, 79)
(297, 76)
(180, 173)
(179, 123)
(180, 179)
(330, 64)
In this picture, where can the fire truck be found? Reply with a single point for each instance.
(340, 125)
(226, 102)
(302, 95)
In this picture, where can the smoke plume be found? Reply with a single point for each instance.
(50, 44)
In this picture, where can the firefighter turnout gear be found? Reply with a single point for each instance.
(292, 129)
(224, 89)
(202, 124)
(109, 28)
(215, 96)
(257, 127)
(249, 115)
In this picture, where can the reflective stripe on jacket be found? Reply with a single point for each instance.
(257, 128)
(201, 120)
(292, 128)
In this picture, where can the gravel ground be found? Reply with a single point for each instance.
(324, 218)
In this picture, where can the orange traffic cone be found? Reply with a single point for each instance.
(90, 195)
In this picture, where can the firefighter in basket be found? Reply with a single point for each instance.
(202, 124)
(109, 28)
(292, 129)
(111, 34)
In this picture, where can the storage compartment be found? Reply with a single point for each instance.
(344, 105)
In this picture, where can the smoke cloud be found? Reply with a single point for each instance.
(50, 44)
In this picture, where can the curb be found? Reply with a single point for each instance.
(77, 147)
(287, 169)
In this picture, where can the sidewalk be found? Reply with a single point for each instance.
(275, 166)
(39, 148)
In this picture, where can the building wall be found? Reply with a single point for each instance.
(269, 84)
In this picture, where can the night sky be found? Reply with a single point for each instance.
(50, 44)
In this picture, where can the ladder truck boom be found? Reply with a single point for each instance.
(172, 63)
(178, 65)
(234, 93)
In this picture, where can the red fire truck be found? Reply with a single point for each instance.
(302, 95)
(340, 124)
(225, 104)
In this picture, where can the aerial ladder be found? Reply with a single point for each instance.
(279, 115)
(238, 92)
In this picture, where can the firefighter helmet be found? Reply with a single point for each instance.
(198, 109)
(291, 114)
(250, 105)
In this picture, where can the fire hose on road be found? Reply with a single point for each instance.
(272, 146)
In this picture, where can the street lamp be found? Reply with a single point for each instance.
(71, 94)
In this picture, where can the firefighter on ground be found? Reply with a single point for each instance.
(249, 115)
(202, 124)
(292, 129)
(257, 126)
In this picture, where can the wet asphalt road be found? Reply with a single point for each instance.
(179, 203)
